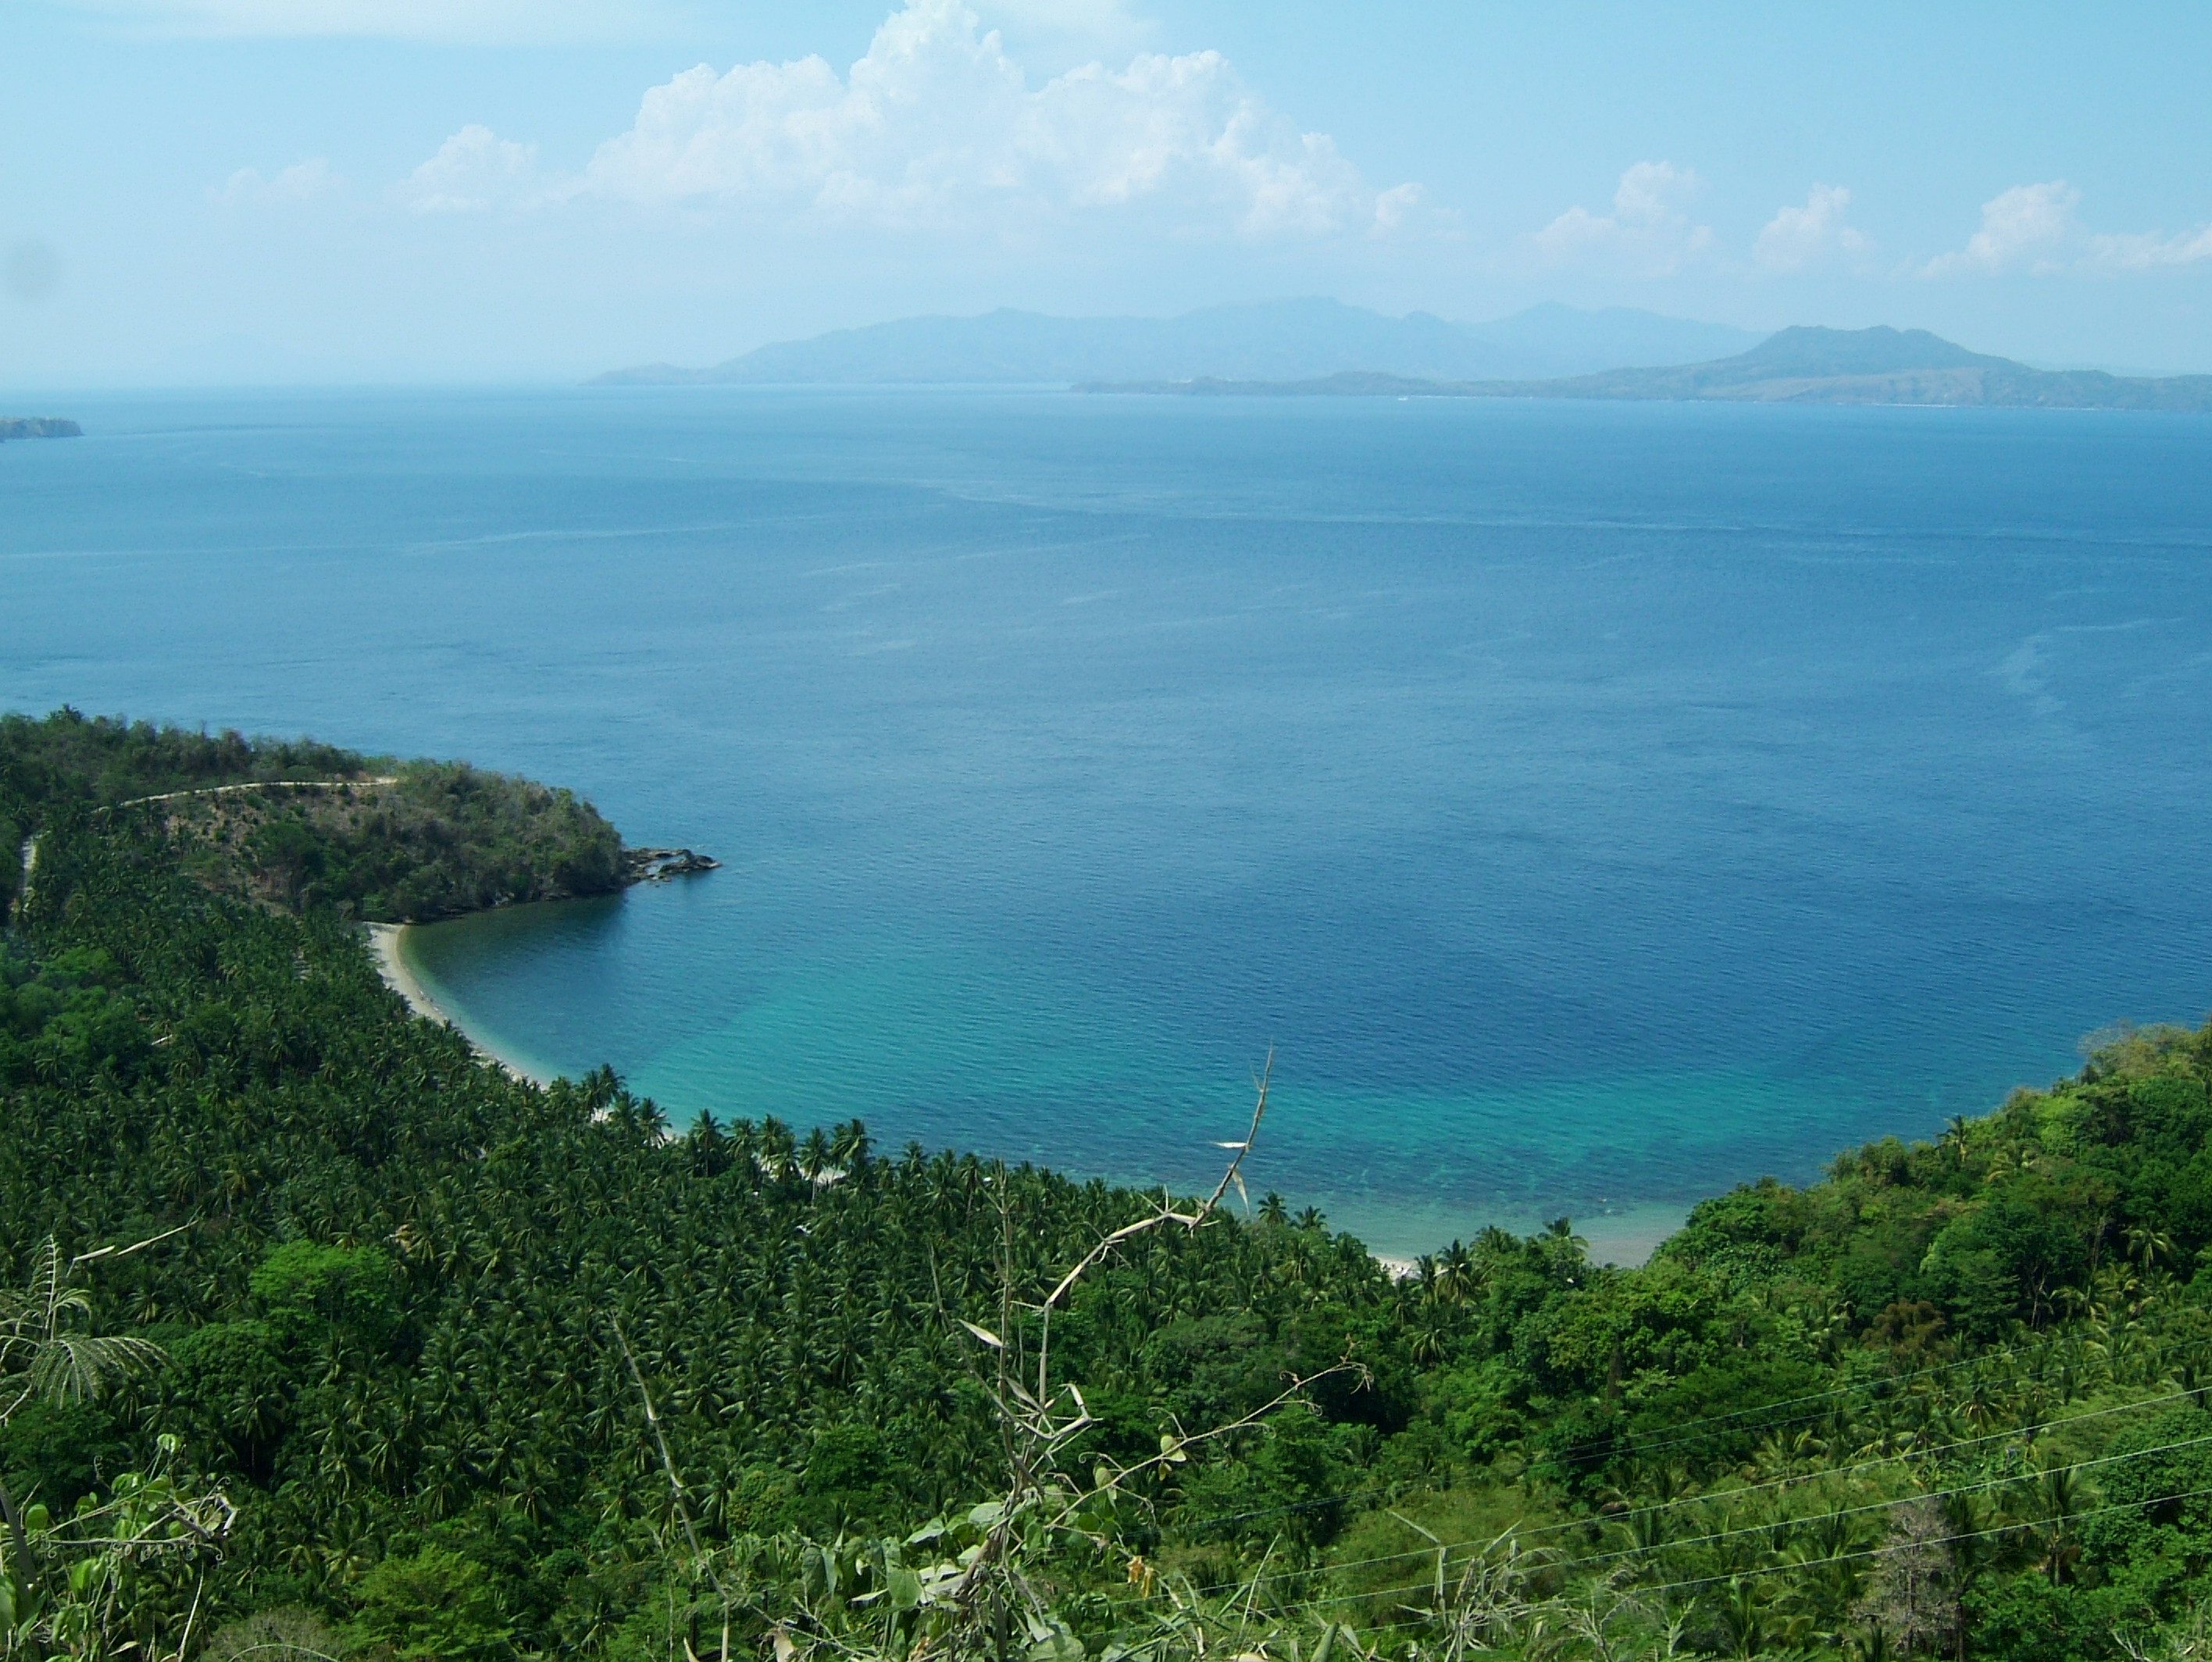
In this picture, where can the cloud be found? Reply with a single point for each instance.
(301, 183)
(2149, 252)
(1796, 238)
(1397, 206)
(938, 129)
(476, 171)
(2034, 227)
(2029, 225)
(1649, 232)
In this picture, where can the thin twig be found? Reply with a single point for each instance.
(125, 1252)
(185, 1643)
(1167, 1214)
(652, 1419)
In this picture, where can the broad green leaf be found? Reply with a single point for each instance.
(1057, 1644)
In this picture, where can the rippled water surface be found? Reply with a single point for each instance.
(1593, 805)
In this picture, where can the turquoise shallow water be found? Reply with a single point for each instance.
(1593, 805)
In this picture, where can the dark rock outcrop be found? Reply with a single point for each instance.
(659, 865)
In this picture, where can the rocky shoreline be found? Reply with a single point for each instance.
(659, 865)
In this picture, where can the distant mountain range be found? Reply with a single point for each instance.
(38, 426)
(1283, 340)
(1879, 366)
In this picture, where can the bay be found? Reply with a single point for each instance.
(1592, 805)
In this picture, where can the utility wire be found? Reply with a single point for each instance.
(1772, 1484)
(1884, 1505)
(1992, 1357)
(1943, 1540)
(1833, 1558)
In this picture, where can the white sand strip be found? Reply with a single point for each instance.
(384, 939)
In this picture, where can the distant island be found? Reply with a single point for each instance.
(1878, 365)
(38, 426)
(1322, 347)
(1278, 340)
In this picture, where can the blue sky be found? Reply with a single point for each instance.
(473, 189)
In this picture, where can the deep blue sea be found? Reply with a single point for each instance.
(1593, 805)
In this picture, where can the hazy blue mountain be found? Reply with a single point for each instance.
(1552, 339)
(1883, 366)
(1281, 340)
(1878, 351)
(1879, 366)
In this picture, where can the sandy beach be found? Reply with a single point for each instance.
(385, 940)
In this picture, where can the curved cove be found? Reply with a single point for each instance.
(1592, 807)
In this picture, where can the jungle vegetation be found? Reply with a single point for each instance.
(321, 1338)
(302, 824)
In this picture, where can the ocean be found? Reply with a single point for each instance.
(1590, 805)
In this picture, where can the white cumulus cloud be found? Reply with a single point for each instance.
(290, 187)
(2148, 251)
(1796, 238)
(1647, 231)
(2030, 225)
(937, 128)
(475, 171)
(1397, 206)
(2035, 227)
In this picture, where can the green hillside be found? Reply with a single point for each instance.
(409, 1359)
(306, 824)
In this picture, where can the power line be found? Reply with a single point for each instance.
(1756, 1488)
(1883, 1506)
(1991, 1357)
(1942, 1540)
(1832, 1558)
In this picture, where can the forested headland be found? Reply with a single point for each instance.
(305, 825)
(321, 1338)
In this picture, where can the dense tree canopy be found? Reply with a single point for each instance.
(301, 824)
(412, 1313)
